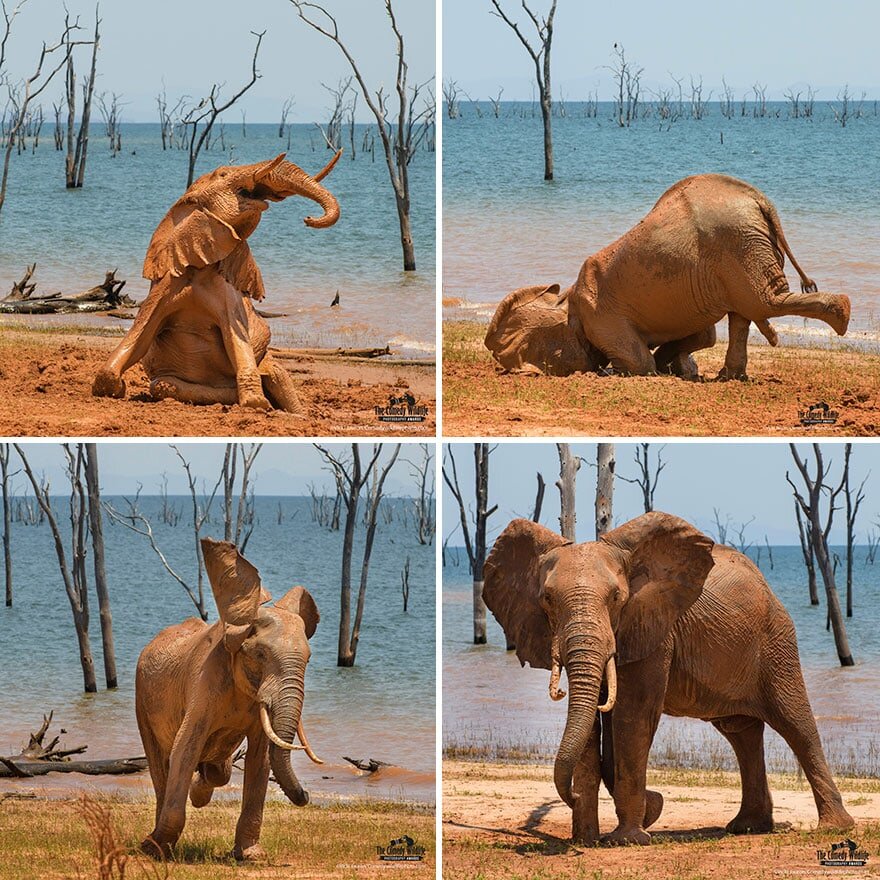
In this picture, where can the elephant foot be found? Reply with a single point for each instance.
(279, 388)
(108, 384)
(630, 836)
(653, 807)
(584, 831)
(254, 853)
(727, 375)
(836, 818)
(743, 823)
(254, 401)
(155, 850)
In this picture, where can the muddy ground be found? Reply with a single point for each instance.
(783, 382)
(504, 820)
(46, 378)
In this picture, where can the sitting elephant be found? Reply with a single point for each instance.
(200, 690)
(197, 332)
(711, 246)
(669, 622)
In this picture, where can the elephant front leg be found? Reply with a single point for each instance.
(256, 780)
(585, 785)
(675, 357)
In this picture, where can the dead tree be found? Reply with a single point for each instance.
(627, 86)
(809, 557)
(239, 516)
(78, 141)
(286, 107)
(496, 103)
(109, 108)
(400, 139)
(73, 576)
(853, 502)
(404, 584)
(541, 59)
(450, 477)
(539, 498)
(31, 88)
(646, 481)
(450, 96)
(353, 476)
(721, 527)
(569, 465)
(423, 473)
(818, 532)
(604, 488)
(200, 120)
(5, 451)
(842, 110)
(332, 133)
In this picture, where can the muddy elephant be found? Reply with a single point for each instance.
(711, 246)
(654, 618)
(200, 690)
(197, 332)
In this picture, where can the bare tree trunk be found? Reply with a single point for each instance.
(852, 511)
(809, 558)
(481, 480)
(5, 450)
(539, 499)
(569, 465)
(604, 488)
(97, 528)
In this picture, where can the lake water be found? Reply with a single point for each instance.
(492, 704)
(504, 227)
(74, 236)
(382, 708)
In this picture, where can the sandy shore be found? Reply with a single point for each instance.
(508, 821)
(784, 381)
(45, 390)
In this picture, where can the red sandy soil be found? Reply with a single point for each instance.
(45, 391)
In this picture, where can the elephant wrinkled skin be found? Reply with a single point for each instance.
(200, 690)
(660, 620)
(197, 332)
(711, 246)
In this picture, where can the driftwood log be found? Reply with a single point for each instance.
(38, 758)
(367, 765)
(331, 352)
(101, 298)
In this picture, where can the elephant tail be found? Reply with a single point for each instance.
(768, 209)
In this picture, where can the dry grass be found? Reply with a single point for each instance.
(63, 839)
(477, 401)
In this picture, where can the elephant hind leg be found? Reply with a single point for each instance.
(675, 357)
(832, 308)
(170, 387)
(622, 344)
(746, 735)
(278, 387)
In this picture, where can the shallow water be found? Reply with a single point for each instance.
(382, 708)
(74, 236)
(504, 227)
(494, 705)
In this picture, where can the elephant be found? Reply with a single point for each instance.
(711, 246)
(655, 618)
(197, 333)
(201, 689)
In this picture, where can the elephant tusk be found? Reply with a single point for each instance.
(267, 729)
(555, 672)
(328, 167)
(611, 675)
(301, 733)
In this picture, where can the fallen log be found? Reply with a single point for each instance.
(103, 297)
(24, 769)
(367, 765)
(331, 352)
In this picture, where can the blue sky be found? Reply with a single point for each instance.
(193, 43)
(779, 44)
(743, 480)
(280, 468)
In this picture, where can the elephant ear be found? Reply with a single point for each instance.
(299, 601)
(667, 562)
(237, 589)
(512, 588)
(241, 271)
(189, 236)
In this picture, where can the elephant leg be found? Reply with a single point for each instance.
(170, 387)
(798, 728)
(832, 308)
(162, 300)
(209, 777)
(746, 735)
(623, 345)
(256, 780)
(157, 761)
(585, 784)
(278, 386)
(737, 348)
(636, 716)
(675, 357)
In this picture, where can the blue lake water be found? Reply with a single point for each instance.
(504, 227)
(382, 708)
(491, 703)
(74, 236)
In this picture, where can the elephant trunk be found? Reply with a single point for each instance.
(290, 180)
(585, 664)
(284, 711)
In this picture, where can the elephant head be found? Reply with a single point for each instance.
(587, 607)
(268, 648)
(210, 222)
(532, 331)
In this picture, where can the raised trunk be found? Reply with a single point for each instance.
(290, 180)
(285, 708)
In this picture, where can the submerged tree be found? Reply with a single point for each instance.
(646, 480)
(540, 55)
(78, 141)
(5, 451)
